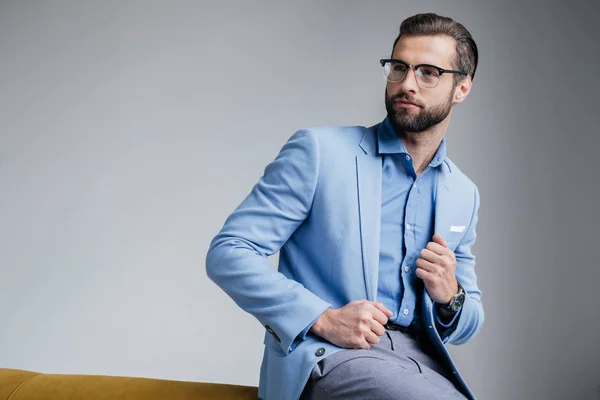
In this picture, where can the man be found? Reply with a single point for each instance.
(375, 228)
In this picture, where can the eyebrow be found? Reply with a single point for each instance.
(423, 63)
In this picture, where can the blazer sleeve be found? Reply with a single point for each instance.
(237, 257)
(469, 320)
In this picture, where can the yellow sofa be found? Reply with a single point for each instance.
(26, 385)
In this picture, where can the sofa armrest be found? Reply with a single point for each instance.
(26, 385)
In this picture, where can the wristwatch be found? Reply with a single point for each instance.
(456, 301)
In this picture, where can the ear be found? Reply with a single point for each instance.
(462, 90)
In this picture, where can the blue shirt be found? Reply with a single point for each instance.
(407, 217)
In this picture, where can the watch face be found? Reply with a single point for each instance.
(458, 301)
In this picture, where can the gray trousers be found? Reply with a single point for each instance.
(399, 367)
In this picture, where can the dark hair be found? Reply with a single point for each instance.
(433, 24)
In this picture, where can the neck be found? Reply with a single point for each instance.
(422, 146)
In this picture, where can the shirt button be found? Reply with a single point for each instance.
(408, 157)
(415, 185)
(408, 226)
(320, 351)
(405, 312)
(406, 268)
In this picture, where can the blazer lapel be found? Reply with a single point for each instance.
(368, 175)
(453, 204)
(443, 201)
(443, 211)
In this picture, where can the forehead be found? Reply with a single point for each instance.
(437, 50)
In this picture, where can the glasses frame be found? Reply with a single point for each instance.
(442, 71)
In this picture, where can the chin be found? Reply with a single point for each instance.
(406, 111)
(403, 121)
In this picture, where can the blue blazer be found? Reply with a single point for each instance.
(319, 204)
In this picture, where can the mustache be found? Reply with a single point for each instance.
(405, 97)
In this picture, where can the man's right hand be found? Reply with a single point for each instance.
(357, 325)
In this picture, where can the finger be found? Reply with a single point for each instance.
(437, 248)
(377, 328)
(382, 308)
(371, 337)
(423, 274)
(426, 265)
(439, 239)
(430, 256)
(442, 252)
(380, 317)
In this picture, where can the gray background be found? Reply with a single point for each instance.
(129, 130)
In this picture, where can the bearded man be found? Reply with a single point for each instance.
(374, 227)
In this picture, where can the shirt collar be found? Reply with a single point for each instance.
(388, 142)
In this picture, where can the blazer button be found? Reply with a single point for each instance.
(320, 351)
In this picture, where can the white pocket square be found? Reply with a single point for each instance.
(457, 228)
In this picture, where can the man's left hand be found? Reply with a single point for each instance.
(437, 267)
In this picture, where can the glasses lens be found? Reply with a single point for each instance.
(394, 71)
(428, 76)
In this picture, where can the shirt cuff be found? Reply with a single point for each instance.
(438, 319)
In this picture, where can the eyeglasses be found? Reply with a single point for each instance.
(428, 76)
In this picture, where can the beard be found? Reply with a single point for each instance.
(415, 120)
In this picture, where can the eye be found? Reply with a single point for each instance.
(429, 71)
(399, 68)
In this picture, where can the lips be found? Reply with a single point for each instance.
(403, 102)
(406, 104)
